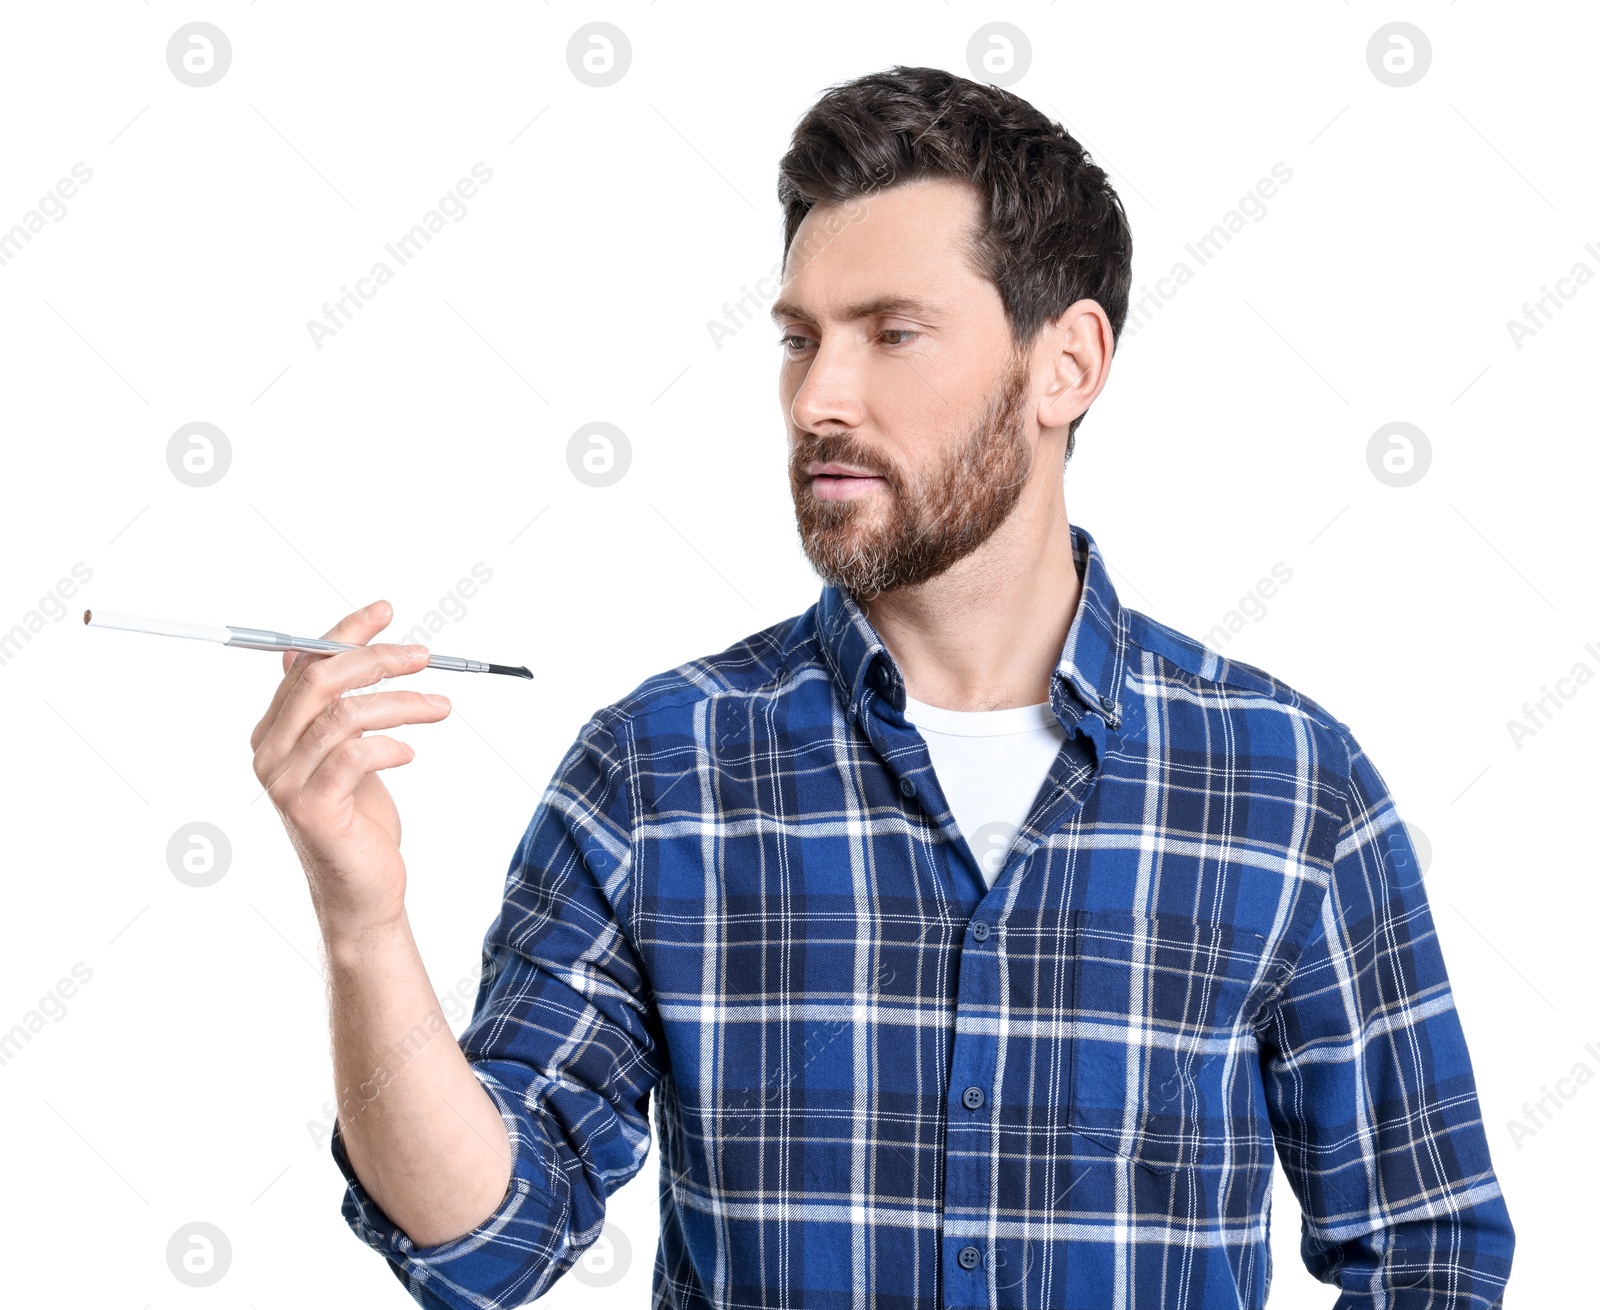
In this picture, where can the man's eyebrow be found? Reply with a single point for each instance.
(890, 304)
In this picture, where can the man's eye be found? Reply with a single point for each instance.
(786, 340)
(898, 332)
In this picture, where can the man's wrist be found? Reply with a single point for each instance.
(349, 945)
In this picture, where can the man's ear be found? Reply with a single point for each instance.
(1079, 346)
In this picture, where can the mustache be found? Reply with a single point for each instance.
(839, 450)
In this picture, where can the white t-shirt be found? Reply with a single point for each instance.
(990, 764)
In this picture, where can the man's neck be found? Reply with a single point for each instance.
(986, 633)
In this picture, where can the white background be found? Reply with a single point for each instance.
(186, 1080)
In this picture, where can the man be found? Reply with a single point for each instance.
(978, 937)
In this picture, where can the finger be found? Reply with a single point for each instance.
(360, 626)
(340, 773)
(357, 628)
(346, 717)
(325, 681)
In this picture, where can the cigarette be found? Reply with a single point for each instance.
(262, 639)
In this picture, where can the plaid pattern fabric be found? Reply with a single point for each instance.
(878, 1083)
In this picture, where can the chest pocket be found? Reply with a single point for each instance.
(1162, 1047)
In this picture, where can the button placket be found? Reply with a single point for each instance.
(969, 1142)
(968, 1145)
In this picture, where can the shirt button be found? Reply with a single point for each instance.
(883, 677)
(972, 1098)
(968, 1257)
(980, 929)
(907, 787)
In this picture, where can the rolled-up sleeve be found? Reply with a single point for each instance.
(564, 1038)
(1370, 1089)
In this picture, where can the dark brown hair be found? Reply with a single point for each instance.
(1055, 231)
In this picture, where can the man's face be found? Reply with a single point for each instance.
(898, 363)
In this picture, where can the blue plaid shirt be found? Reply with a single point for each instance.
(881, 1084)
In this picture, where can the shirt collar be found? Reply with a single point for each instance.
(1092, 664)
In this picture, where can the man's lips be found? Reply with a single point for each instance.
(843, 486)
(828, 468)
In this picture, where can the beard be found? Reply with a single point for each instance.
(925, 523)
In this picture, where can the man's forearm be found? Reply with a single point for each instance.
(425, 1139)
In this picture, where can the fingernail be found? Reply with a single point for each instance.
(438, 702)
(414, 651)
